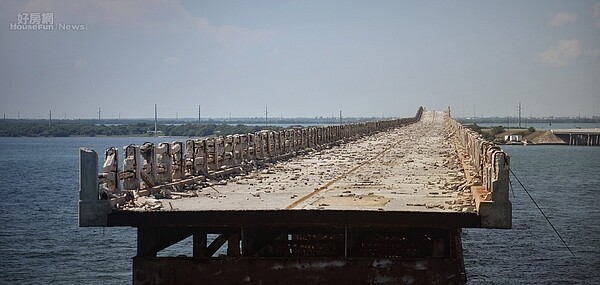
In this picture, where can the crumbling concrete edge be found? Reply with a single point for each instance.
(493, 214)
(486, 168)
(92, 210)
(94, 213)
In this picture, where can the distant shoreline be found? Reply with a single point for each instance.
(37, 128)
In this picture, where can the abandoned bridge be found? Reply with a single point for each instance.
(376, 202)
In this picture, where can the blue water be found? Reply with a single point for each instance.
(565, 183)
(40, 241)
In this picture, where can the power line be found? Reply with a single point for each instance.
(543, 214)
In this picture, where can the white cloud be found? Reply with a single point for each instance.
(562, 18)
(566, 52)
(596, 9)
(171, 60)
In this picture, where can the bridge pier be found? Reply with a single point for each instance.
(302, 255)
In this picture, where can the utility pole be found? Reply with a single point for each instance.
(99, 112)
(199, 114)
(50, 118)
(155, 120)
(519, 114)
(266, 115)
(341, 117)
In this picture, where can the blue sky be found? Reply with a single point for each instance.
(301, 58)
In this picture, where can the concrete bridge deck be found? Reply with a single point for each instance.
(346, 195)
(413, 168)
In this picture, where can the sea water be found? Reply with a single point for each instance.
(41, 243)
(565, 182)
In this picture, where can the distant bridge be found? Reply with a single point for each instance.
(588, 137)
(374, 202)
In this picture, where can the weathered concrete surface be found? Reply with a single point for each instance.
(92, 212)
(412, 168)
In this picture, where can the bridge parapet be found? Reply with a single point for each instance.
(159, 169)
(486, 168)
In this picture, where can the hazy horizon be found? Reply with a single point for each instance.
(299, 59)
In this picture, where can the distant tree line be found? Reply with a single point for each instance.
(492, 133)
(62, 128)
(196, 130)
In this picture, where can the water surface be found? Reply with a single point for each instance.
(41, 243)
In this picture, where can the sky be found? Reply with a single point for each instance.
(299, 58)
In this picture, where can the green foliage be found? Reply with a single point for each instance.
(486, 135)
(531, 129)
(41, 128)
(474, 127)
(496, 130)
(191, 130)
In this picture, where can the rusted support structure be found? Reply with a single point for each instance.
(486, 168)
(306, 255)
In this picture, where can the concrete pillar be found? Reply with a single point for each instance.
(92, 211)
(164, 163)
(177, 158)
(131, 167)
(149, 164)
(88, 175)
(109, 177)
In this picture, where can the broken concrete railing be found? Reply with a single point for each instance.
(486, 168)
(151, 167)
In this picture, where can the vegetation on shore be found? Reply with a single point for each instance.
(496, 133)
(39, 128)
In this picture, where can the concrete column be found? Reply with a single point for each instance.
(164, 163)
(131, 167)
(177, 158)
(149, 164)
(92, 211)
(88, 175)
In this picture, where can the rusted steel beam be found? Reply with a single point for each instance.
(306, 218)
(151, 240)
(180, 270)
(199, 244)
(217, 243)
